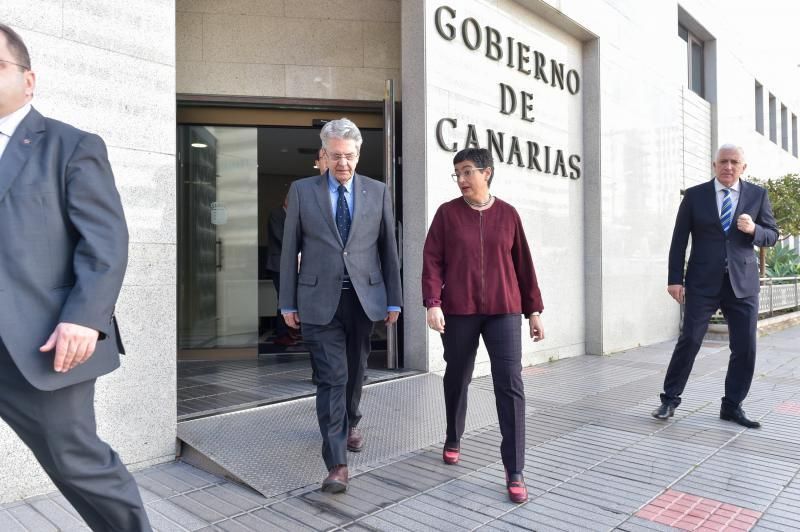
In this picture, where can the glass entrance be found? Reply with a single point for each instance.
(233, 348)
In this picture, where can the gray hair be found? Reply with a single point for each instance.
(729, 146)
(341, 129)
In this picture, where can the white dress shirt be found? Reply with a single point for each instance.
(719, 187)
(9, 124)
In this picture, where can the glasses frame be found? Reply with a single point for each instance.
(23, 67)
(466, 173)
(340, 156)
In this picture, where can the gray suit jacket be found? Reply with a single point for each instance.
(64, 247)
(370, 252)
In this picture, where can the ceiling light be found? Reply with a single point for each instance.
(199, 145)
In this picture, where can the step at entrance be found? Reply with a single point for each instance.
(276, 448)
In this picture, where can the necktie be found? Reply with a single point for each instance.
(726, 213)
(342, 215)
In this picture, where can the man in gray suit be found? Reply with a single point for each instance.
(62, 259)
(349, 277)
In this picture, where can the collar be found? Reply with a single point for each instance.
(719, 186)
(9, 123)
(333, 184)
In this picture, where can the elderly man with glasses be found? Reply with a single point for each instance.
(349, 278)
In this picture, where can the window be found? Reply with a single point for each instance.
(759, 108)
(695, 61)
(794, 134)
(773, 119)
(784, 128)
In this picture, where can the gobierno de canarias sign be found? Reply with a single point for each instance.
(533, 71)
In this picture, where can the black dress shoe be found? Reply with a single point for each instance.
(738, 416)
(664, 411)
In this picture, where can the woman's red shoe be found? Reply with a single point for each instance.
(517, 491)
(450, 455)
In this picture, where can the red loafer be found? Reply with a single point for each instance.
(450, 454)
(517, 491)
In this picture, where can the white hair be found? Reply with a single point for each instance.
(341, 129)
(729, 146)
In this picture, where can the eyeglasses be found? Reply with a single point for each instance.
(23, 67)
(350, 157)
(466, 173)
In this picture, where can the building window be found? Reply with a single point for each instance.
(784, 128)
(759, 108)
(695, 61)
(773, 119)
(794, 134)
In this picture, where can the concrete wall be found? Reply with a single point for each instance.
(109, 68)
(339, 49)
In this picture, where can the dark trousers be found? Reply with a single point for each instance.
(59, 427)
(501, 334)
(741, 315)
(340, 350)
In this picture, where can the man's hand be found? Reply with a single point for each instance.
(537, 329)
(391, 317)
(292, 319)
(677, 291)
(74, 344)
(745, 224)
(435, 319)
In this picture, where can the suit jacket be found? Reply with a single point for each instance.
(277, 218)
(370, 253)
(64, 247)
(698, 216)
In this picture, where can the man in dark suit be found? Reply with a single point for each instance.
(726, 217)
(349, 277)
(62, 260)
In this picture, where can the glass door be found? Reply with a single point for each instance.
(218, 235)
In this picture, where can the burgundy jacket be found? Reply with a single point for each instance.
(478, 262)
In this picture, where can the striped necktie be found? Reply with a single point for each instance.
(726, 213)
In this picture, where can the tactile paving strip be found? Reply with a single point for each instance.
(276, 448)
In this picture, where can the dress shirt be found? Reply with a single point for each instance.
(9, 123)
(719, 187)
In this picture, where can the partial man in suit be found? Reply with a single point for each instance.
(725, 217)
(349, 278)
(63, 256)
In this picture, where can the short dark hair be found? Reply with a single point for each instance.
(17, 46)
(480, 156)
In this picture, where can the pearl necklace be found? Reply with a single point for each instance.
(477, 204)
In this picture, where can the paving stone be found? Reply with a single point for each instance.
(177, 514)
(56, 514)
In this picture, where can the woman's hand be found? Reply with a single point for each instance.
(537, 329)
(436, 319)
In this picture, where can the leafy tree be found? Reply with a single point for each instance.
(784, 195)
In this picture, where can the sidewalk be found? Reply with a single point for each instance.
(596, 460)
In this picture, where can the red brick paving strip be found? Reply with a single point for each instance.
(690, 512)
(788, 407)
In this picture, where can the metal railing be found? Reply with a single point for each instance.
(778, 293)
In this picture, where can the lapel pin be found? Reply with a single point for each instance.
(26, 141)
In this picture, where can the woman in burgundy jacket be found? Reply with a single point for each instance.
(478, 278)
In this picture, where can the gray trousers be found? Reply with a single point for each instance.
(59, 428)
(340, 350)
